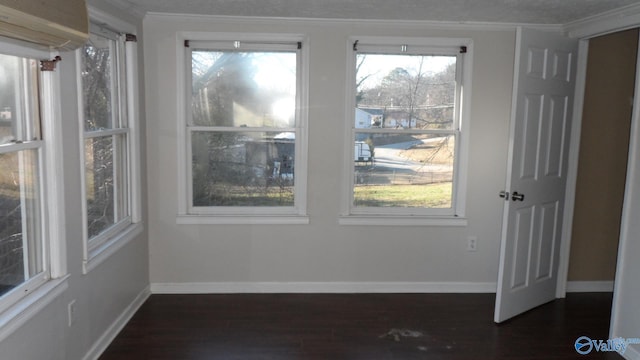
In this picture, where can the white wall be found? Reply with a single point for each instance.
(325, 251)
(103, 294)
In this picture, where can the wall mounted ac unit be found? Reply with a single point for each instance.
(57, 24)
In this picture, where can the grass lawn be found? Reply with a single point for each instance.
(425, 195)
(430, 195)
(230, 195)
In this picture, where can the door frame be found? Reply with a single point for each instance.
(587, 32)
(626, 286)
(619, 326)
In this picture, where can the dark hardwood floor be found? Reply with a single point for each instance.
(359, 326)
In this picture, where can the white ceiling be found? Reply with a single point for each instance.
(502, 11)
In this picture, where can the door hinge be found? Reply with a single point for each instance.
(49, 65)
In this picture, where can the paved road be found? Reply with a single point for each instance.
(390, 167)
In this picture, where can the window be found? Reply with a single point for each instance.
(405, 128)
(22, 247)
(108, 141)
(243, 134)
(30, 235)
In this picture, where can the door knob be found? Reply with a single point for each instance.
(505, 195)
(517, 197)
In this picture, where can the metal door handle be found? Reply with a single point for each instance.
(517, 197)
(505, 195)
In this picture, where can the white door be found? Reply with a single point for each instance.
(544, 80)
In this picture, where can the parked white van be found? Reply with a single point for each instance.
(362, 153)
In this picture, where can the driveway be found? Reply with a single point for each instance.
(391, 168)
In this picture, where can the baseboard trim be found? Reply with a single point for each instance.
(107, 337)
(321, 287)
(589, 286)
(631, 353)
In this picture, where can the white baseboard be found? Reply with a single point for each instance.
(632, 353)
(107, 337)
(322, 287)
(589, 286)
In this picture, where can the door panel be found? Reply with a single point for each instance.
(556, 136)
(548, 226)
(522, 248)
(542, 101)
(531, 120)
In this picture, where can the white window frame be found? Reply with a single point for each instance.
(351, 215)
(27, 299)
(188, 214)
(102, 246)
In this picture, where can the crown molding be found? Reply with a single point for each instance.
(443, 25)
(607, 22)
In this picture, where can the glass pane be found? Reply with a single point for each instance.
(407, 171)
(121, 176)
(243, 89)
(20, 226)
(99, 176)
(243, 168)
(405, 91)
(97, 82)
(18, 99)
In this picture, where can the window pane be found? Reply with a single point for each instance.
(99, 175)
(97, 82)
(18, 113)
(243, 168)
(403, 170)
(405, 91)
(243, 89)
(20, 226)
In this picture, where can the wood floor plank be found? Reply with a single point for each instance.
(357, 326)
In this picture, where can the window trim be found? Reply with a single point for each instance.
(188, 214)
(34, 294)
(351, 215)
(102, 246)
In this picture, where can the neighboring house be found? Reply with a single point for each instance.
(368, 117)
(5, 113)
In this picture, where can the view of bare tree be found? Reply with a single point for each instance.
(239, 167)
(11, 209)
(413, 97)
(98, 115)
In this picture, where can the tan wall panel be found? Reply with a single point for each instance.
(603, 156)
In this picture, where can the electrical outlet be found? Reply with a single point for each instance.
(71, 312)
(472, 243)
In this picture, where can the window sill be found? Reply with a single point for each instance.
(387, 220)
(242, 220)
(18, 314)
(100, 254)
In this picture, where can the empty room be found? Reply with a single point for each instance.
(319, 179)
